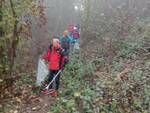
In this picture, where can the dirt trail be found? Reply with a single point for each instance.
(38, 104)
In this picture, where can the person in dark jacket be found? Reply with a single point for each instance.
(66, 41)
(56, 62)
(76, 39)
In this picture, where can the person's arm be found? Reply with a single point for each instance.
(71, 39)
(46, 57)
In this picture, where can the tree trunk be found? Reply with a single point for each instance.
(1, 18)
(14, 39)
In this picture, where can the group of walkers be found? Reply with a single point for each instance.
(58, 55)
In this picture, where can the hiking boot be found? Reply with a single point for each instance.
(47, 92)
(54, 94)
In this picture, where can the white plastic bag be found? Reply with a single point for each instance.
(76, 46)
(42, 72)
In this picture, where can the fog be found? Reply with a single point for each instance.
(98, 19)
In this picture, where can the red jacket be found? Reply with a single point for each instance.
(55, 58)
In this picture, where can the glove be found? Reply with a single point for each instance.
(45, 62)
(66, 59)
(62, 68)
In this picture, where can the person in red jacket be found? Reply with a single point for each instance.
(56, 62)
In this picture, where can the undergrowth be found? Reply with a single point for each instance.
(113, 92)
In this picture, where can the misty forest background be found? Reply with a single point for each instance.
(111, 74)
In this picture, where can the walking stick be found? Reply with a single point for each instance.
(53, 79)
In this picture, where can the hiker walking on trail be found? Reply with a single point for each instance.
(76, 38)
(70, 28)
(55, 58)
(66, 41)
(75, 34)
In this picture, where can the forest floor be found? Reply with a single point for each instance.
(40, 104)
(28, 99)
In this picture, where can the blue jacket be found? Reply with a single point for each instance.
(65, 44)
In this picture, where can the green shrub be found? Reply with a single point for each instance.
(99, 62)
(73, 79)
(130, 47)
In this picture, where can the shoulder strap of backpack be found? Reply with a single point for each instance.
(50, 47)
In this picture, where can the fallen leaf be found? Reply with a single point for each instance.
(1, 80)
(50, 112)
(36, 108)
(18, 100)
(77, 94)
(123, 74)
(45, 105)
(11, 111)
(16, 111)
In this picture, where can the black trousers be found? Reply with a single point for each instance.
(52, 74)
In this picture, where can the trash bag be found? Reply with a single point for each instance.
(76, 46)
(42, 72)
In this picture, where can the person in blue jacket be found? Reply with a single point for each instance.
(65, 42)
